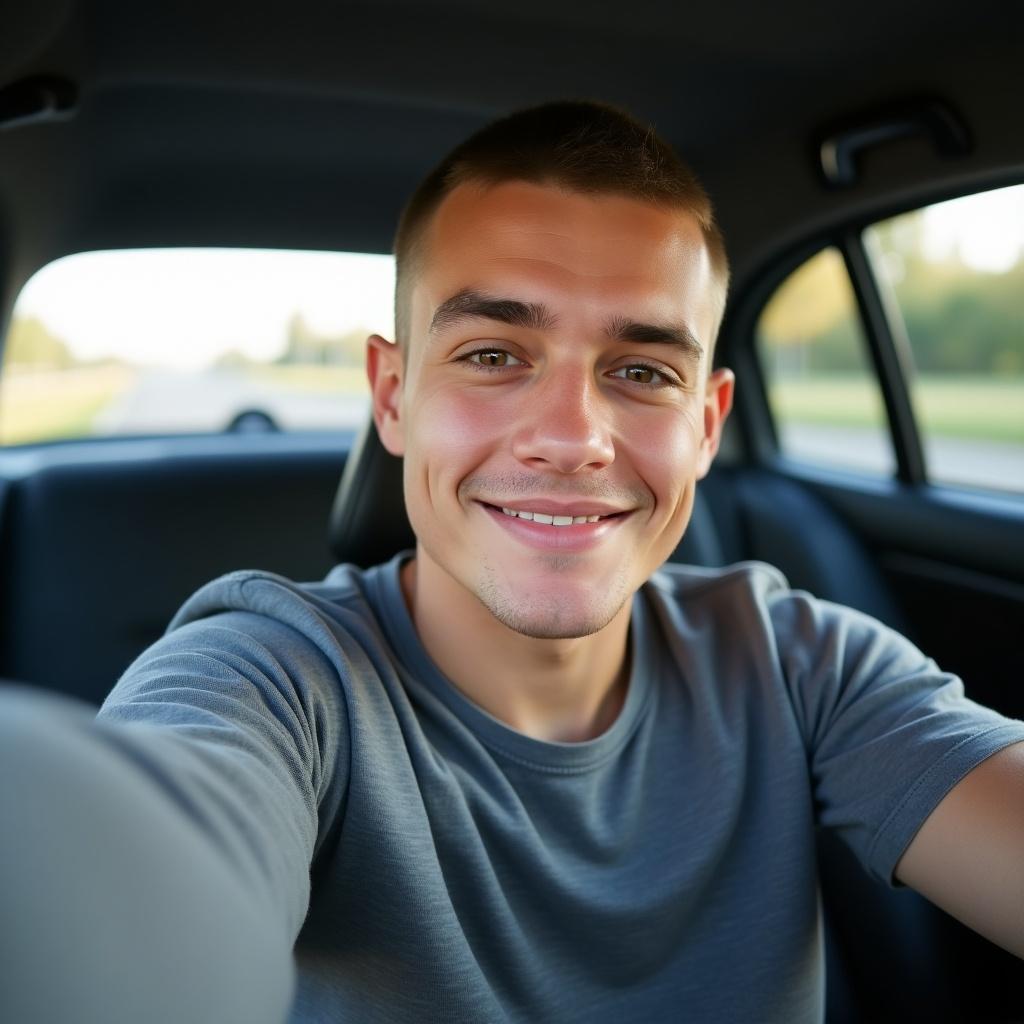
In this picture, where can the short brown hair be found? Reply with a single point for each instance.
(581, 146)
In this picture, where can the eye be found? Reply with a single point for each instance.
(491, 359)
(641, 373)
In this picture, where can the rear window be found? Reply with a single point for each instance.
(171, 341)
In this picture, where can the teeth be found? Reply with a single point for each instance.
(542, 517)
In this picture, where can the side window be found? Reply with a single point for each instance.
(823, 393)
(951, 277)
(170, 341)
(956, 272)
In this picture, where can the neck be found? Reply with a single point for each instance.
(564, 690)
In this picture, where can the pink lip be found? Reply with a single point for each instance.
(577, 537)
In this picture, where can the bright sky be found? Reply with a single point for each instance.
(183, 307)
(987, 229)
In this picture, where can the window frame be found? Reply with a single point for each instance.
(888, 352)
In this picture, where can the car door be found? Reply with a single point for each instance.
(883, 365)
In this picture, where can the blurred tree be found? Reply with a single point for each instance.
(31, 343)
(233, 359)
(304, 346)
(811, 302)
(810, 326)
(959, 319)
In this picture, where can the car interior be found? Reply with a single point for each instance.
(306, 126)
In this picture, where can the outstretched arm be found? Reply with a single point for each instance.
(968, 857)
(115, 906)
(154, 861)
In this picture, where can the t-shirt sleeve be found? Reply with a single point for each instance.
(888, 733)
(239, 718)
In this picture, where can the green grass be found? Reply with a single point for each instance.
(969, 407)
(51, 405)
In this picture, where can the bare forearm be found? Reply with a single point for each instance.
(968, 856)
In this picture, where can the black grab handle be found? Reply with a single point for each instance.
(839, 145)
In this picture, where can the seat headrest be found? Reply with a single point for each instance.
(368, 523)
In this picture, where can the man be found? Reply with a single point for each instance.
(522, 773)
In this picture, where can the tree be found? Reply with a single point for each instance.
(306, 347)
(31, 343)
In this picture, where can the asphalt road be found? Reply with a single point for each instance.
(950, 460)
(164, 401)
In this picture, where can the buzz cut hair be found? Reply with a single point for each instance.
(580, 146)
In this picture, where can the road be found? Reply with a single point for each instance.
(950, 459)
(169, 402)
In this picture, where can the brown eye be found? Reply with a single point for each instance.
(640, 374)
(646, 375)
(493, 357)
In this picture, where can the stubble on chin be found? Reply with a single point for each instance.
(546, 617)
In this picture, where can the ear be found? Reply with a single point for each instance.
(384, 367)
(717, 404)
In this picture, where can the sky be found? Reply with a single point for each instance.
(182, 308)
(987, 229)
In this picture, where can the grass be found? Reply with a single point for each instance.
(969, 407)
(47, 405)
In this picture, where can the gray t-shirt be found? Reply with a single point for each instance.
(432, 864)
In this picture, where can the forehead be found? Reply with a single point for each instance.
(512, 217)
(592, 247)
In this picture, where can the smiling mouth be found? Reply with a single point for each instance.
(547, 519)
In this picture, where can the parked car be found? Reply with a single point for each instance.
(876, 453)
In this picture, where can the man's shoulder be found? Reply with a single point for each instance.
(758, 597)
(693, 583)
(342, 593)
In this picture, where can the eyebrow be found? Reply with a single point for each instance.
(679, 335)
(473, 305)
(470, 304)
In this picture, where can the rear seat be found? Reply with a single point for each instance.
(101, 542)
(744, 513)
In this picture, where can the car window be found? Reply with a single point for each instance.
(956, 272)
(823, 394)
(168, 341)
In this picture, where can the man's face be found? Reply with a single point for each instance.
(557, 367)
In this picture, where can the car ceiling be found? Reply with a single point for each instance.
(307, 124)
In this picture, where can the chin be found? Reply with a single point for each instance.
(553, 612)
(559, 627)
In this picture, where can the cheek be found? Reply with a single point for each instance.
(453, 431)
(664, 452)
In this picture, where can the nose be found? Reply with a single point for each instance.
(565, 424)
